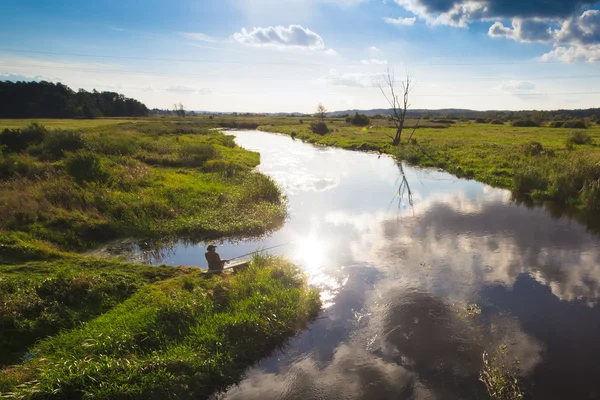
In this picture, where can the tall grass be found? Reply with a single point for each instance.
(181, 338)
(77, 189)
(40, 298)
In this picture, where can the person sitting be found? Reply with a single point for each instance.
(214, 259)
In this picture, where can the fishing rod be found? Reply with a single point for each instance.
(260, 251)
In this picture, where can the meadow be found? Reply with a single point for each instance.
(80, 187)
(77, 326)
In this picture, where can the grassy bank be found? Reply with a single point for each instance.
(41, 298)
(78, 327)
(182, 337)
(539, 163)
(80, 187)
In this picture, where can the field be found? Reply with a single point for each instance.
(75, 326)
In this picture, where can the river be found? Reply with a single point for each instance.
(420, 273)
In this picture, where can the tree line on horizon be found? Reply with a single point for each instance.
(56, 100)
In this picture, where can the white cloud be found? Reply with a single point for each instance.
(409, 21)
(573, 54)
(187, 89)
(201, 37)
(374, 52)
(293, 36)
(523, 30)
(374, 61)
(364, 80)
(583, 30)
(574, 39)
(24, 78)
(562, 23)
(516, 86)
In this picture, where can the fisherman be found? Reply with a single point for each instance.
(214, 260)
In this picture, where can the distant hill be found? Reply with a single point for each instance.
(454, 113)
(416, 112)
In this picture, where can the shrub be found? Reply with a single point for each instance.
(22, 165)
(496, 122)
(580, 137)
(590, 196)
(112, 144)
(358, 120)
(85, 166)
(261, 188)
(575, 124)
(57, 143)
(320, 128)
(523, 122)
(198, 154)
(301, 122)
(556, 124)
(17, 140)
(528, 180)
(480, 121)
(534, 149)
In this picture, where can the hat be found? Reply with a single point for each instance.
(211, 246)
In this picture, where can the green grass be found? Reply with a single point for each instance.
(41, 298)
(184, 337)
(79, 188)
(64, 123)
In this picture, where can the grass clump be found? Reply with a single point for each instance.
(186, 337)
(580, 137)
(85, 166)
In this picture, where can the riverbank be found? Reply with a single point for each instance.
(77, 188)
(185, 336)
(79, 326)
(537, 164)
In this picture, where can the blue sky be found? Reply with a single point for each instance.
(275, 55)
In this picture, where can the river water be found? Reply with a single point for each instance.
(420, 273)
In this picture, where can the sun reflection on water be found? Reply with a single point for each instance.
(311, 254)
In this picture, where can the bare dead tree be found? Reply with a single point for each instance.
(321, 112)
(179, 110)
(399, 103)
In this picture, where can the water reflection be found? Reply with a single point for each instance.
(396, 277)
